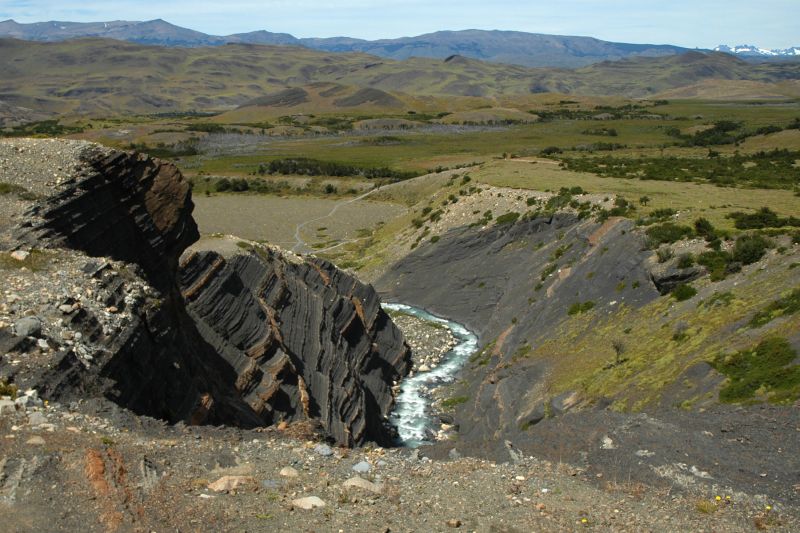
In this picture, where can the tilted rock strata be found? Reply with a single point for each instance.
(124, 205)
(306, 339)
(119, 326)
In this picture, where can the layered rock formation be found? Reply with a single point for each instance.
(265, 338)
(306, 339)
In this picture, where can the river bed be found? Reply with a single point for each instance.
(412, 414)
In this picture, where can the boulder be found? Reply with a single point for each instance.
(29, 326)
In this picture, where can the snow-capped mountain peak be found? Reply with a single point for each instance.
(750, 50)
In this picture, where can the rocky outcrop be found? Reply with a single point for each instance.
(514, 285)
(307, 340)
(264, 339)
(123, 205)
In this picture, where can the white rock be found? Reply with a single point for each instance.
(363, 484)
(288, 471)
(20, 255)
(323, 450)
(608, 444)
(362, 468)
(308, 503)
(228, 483)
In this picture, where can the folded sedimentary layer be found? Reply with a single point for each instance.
(264, 338)
(307, 340)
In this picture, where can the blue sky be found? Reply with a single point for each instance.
(701, 23)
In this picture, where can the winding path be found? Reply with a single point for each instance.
(301, 246)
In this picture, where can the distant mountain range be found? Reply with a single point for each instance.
(518, 48)
(748, 50)
(104, 77)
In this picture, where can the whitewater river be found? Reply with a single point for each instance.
(412, 413)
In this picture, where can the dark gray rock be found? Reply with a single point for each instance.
(29, 326)
(305, 339)
(667, 278)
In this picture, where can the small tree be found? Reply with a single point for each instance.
(619, 349)
(644, 200)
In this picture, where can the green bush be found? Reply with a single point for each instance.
(664, 254)
(550, 150)
(454, 401)
(750, 248)
(705, 229)
(683, 292)
(578, 307)
(507, 218)
(763, 218)
(767, 367)
(685, 260)
(223, 185)
(667, 233)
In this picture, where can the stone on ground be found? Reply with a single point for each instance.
(308, 503)
(228, 483)
(360, 483)
(288, 471)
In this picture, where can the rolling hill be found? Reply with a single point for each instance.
(107, 77)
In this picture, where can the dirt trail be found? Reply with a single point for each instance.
(301, 246)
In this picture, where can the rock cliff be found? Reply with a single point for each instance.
(306, 339)
(264, 337)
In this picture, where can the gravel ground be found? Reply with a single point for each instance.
(38, 165)
(93, 467)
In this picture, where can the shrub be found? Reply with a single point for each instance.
(667, 233)
(664, 254)
(239, 185)
(550, 150)
(549, 269)
(766, 367)
(507, 218)
(223, 185)
(658, 215)
(763, 218)
(685, 260)
(750, 248)
(683, 292)
(454, 401)
(578, 307)
(705, 229)
(718, 264)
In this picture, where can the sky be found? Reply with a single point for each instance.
(689, 23)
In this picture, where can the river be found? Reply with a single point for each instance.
(412, 413)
